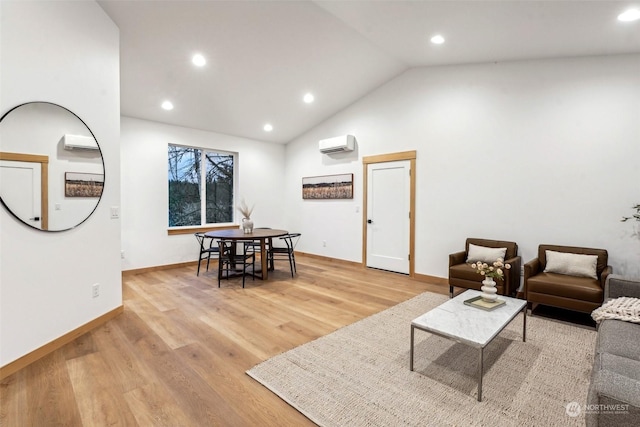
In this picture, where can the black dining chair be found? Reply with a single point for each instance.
(285, 252)
(208, 247)
(230, 261)
(256, 243)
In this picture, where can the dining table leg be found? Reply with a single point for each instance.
(263, 259)
(270, 245)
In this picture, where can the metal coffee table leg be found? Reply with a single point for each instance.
(524, 324)
(411, 352)
(480, 374)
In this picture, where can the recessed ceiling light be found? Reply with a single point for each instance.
(629, 15)
(167, 105)
(198, 60)
(268, 127)
(437, 39)
(308, 98)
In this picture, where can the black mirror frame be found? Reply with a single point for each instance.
(104, 170)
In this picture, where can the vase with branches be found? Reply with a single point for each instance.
(246, 211)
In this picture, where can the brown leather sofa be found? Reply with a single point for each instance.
(583, 294)
(461, 274)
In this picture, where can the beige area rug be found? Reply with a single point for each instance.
(359, 375)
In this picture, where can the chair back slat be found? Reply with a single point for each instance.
(207, 248)
(291, 240)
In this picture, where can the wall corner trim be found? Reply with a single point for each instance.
(39, 353)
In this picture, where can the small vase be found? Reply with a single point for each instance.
(489, 290)
(247, 225)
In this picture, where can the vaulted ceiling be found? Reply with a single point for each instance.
(262, 57)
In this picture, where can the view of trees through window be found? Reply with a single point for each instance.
(200, 185)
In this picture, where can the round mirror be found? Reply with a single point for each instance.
(51, 167)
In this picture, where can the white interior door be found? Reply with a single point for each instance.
(21, 190)
(388, 209)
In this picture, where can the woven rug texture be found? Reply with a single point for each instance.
(359, 375)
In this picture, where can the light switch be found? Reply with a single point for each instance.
(57, 206)
(115, 212)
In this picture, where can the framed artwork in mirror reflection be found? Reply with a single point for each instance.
(79, 184)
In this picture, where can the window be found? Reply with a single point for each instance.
(201, 186)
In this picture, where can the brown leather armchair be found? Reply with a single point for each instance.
(461, 274)
(571, 292)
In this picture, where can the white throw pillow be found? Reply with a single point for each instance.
(484, 254)
(571, 264)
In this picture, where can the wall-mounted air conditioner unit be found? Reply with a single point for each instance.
(79, 142)
(339, 144)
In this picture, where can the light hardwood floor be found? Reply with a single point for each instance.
(177, 356)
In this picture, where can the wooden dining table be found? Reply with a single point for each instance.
(258, 234)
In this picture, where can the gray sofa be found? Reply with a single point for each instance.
(614, 392)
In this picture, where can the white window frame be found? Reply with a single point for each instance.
(203, 189)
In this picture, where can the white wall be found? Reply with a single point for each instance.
(145, 188)
(65, 53)
(534, 152)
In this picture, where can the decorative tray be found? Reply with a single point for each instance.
(478, 302)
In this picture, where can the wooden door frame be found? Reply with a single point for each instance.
(385, 158)
(44, 180)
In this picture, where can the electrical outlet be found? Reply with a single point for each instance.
(95, 289)
(324, 243)
(122, 254)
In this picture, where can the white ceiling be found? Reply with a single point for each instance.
(263, 56)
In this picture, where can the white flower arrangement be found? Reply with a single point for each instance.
(496, 270)
(244, 209)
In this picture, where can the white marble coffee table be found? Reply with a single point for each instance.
(469, 325)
